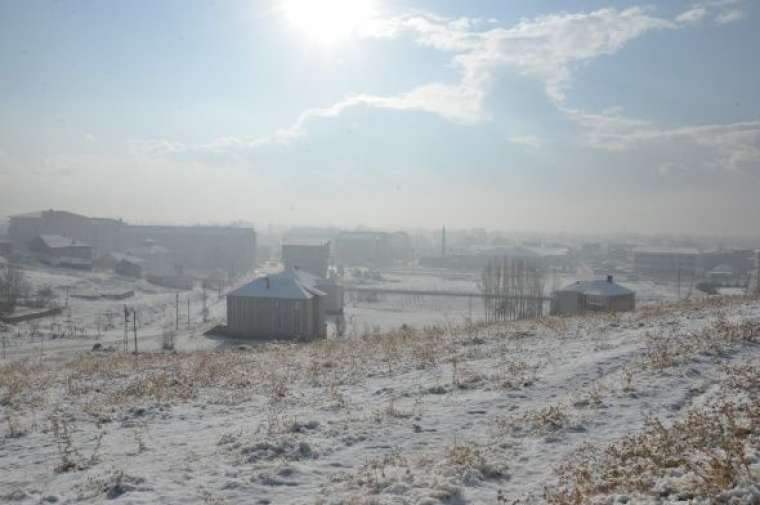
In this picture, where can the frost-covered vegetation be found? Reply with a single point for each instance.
(657, 406)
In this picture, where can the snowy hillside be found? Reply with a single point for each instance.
(657, 406)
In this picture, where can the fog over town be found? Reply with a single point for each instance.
(380, 252)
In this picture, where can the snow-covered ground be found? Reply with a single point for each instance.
(449, 414)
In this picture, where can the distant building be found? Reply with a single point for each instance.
(102, 235)
(369, 248)
(276, 306)
(667, 263)
(593, 296)
(558, 258)
(109, 260)
(6, 247)
(62, 251)
(202, 247)
(741, 261)
(194, 247)
(309, 258)
(129, 266)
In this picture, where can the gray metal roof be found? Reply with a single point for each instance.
(286, 285)
(598, 288)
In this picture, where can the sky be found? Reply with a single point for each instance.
(572, 116)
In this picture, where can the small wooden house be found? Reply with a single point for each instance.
(276, 306)
(593, 296)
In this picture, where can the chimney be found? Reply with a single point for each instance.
(267, 279)
(609, 279)
(443, 241)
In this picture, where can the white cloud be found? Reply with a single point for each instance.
(692, 16)
(718, 147)
(729, 16)
(526, 140)
(720, 11)
(547, 48)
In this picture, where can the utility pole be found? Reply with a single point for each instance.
(204, 297)
(188, 311)
(176, 324)
(125, 341)
(678, 276)
(134, 327)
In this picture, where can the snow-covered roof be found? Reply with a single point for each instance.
(598, 288)
(128, 258)
(545, 251)
(288, 285)
(723, 269)
(666, 250)
(37, 214)
(117, 256)
(58, 241)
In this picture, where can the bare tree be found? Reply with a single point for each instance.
(13, 287)
(512, 289)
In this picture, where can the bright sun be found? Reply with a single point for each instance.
(327, 22)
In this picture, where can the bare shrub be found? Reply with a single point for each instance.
(709, 447)
(538, 421)
(470, 462)
(514, 374)
(69, 455)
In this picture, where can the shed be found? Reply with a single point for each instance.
(595, 296)
(276, 306)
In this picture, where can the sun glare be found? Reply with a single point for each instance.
(327, 22)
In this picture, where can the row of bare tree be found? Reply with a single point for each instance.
(512, 289)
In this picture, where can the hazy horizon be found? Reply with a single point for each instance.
(579, 117)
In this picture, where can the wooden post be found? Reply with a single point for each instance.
(176, 308)
(134, 327)
(125, 341)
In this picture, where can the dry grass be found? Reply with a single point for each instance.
(470, 462)
(669, 349)
(709, 448)
(539, 421)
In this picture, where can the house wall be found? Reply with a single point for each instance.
(274, 318)
(572, 302)
(619, 303)
(80, 252)
(566, 303)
